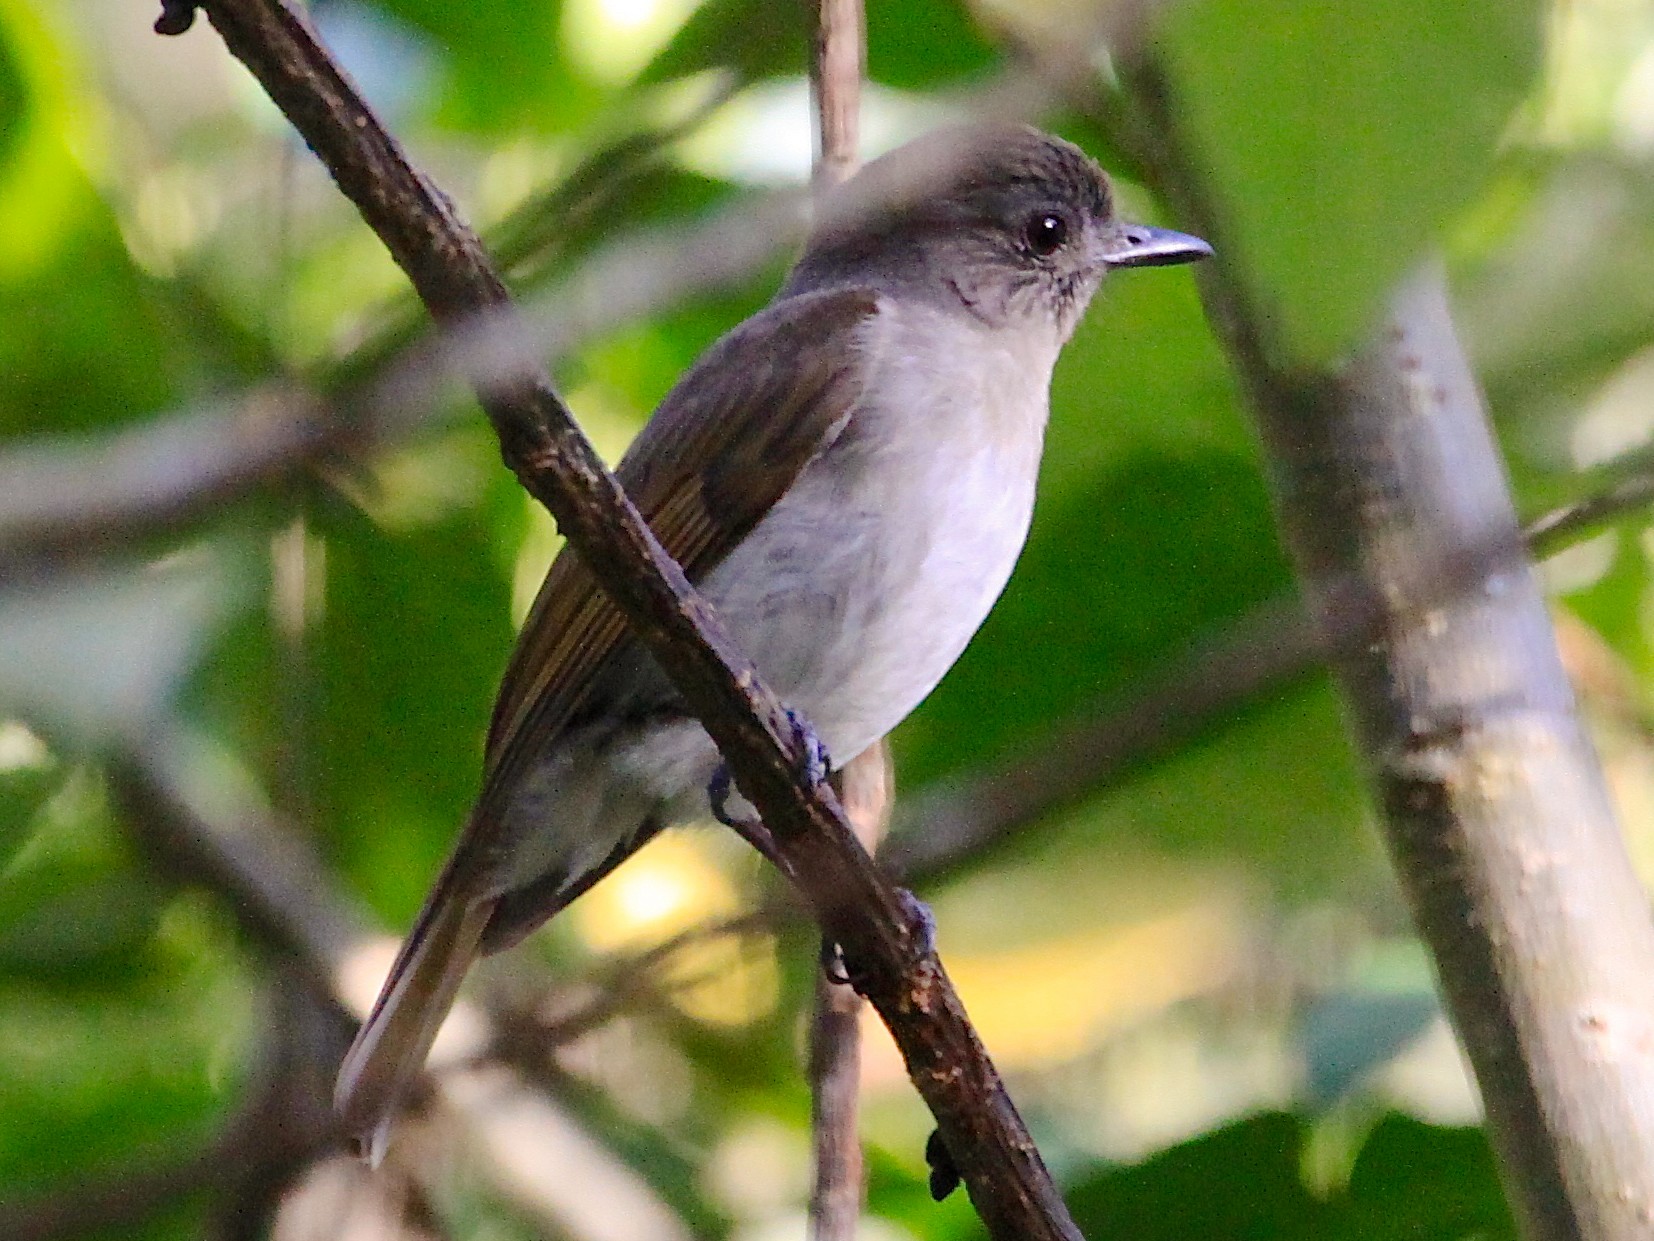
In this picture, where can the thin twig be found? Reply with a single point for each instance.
(865, 786)
(837, 65)
(896, 968)
(867, 790)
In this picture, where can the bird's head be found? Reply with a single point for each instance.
(1013, 224)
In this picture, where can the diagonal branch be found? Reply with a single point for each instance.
(1002, 1170)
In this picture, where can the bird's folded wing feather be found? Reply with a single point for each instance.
(724, 446)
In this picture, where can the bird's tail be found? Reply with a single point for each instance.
(391, 1047)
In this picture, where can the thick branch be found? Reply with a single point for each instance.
(857, 906)
(1393, 501)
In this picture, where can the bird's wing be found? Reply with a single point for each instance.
(724, 446)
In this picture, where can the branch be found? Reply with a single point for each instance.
(284, 1122)
(953, 823)
(1580, 519)
(837, 66)
(838, 62)
(283, 899)
(1493, 801)
(859, 908)
(64, 500)
(867, 786)
(58, 501)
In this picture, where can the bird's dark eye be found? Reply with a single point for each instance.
(1045, 233)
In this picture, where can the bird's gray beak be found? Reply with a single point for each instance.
(1138, 245)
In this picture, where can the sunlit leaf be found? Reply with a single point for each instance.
(1338, 139)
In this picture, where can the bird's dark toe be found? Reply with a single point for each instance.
(814, 763)
(921, 921)
(944, 1173)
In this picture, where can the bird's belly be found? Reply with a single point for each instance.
(853, 605)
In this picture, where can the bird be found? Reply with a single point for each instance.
(848, 478)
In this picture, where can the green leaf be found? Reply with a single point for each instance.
(127, 1011)
(14, 99)
(1419, 1182)
(86, 344)
(911, 44)
(94, 655)
(1238, 1183)
(1244, 1182)
(408, 655)
(1338, 139)
(504, 63)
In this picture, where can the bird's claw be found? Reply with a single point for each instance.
(176, 17)
(944, 1173)
(813, 763)
(752, 830)
(833, 964)
(718, 790)
(920, 920)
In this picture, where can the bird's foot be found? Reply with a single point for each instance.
(921, 925)
(749, 828)
(944, 1173)
(813, 763)
(833, 965)
(718, 792)
(921, 922)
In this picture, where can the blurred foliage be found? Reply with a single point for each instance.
(1327, 216)
(1199, 979)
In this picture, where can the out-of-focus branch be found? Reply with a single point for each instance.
(61, 501)
(837, 66)
(953, 823)
(867, 789)
(286, 907)
(285, 1122)
(895, 967)
(284, 900)
(865, 786)
(1394, 503)
(58, 500)
(1579, 519)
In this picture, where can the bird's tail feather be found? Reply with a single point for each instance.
(391, 1047)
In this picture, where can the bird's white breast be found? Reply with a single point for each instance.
(860, 589)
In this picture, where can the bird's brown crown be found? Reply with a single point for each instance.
(961, 175)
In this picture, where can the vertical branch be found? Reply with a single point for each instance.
(836, 70)
(867, 791)
(1393, 500)
(865, 784)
